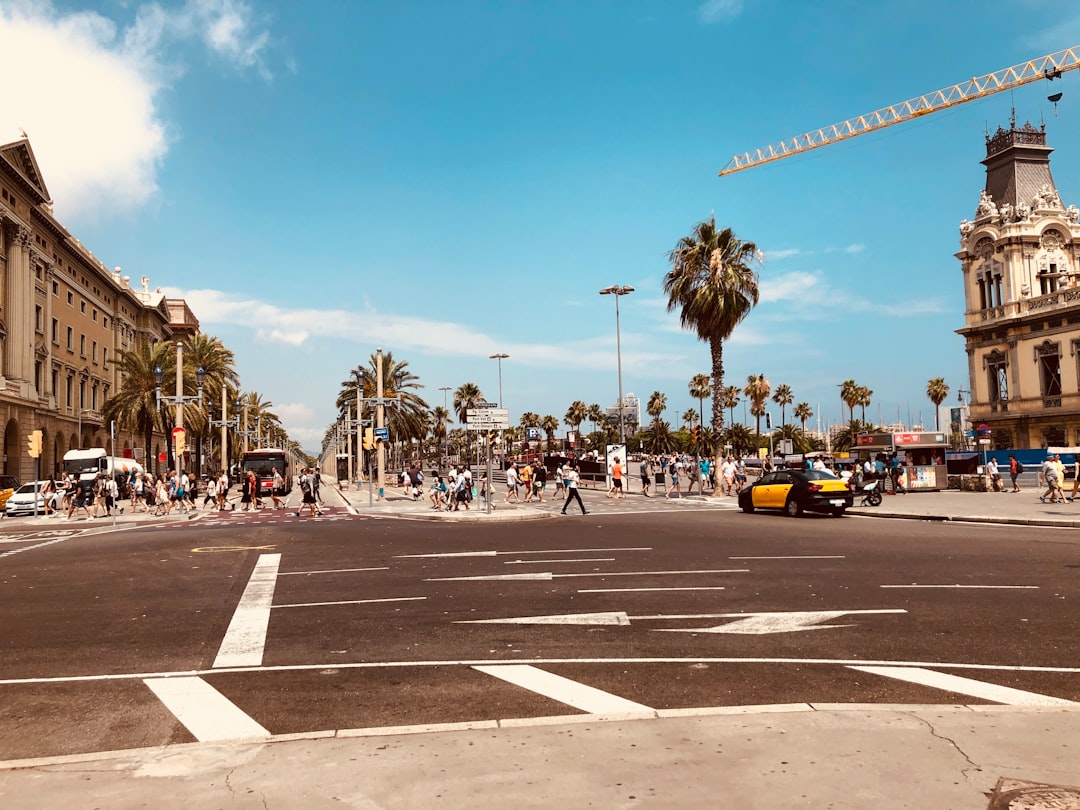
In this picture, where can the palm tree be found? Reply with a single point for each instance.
(217, 362)
(783, 397)
(713, 286)
(802, 413)
(730, 400)
(757, 390)
(864, 399)
(700, 390)
(134, 405)
(657, 437)
(549, 424)
(937, 390)
(689, 417)
(596, 416)
(530, 419)
(465, 399)
(440, 416)
(576, 414)
(849, 395)
(656, 405)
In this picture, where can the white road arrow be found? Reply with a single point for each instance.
(613, 618)
(758, 624)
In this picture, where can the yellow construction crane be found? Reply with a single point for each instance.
(1045, 67)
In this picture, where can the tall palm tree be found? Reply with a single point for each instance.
(865, 396)
(689, 417)
(937, 390)
(757, 390)
(134, 405)
(577, 413)
(783, 397)
(465, 399)
(549, 424)
(803, 412)
(700, 389)
(730, 399)
(656, 405)
(530, 419)
(849, 395)
(713, 285)
(440, 416)
(218, 365)
(596, 415)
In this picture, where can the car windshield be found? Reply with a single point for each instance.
(8, 482)
(26, 489)
(819, 475)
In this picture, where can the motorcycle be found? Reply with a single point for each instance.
(871, 495)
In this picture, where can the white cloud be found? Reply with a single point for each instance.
(782, 254)
(90, 104)
(797, 286)
(712, 11)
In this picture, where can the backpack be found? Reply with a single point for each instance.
(305, 486)
(1019, 468)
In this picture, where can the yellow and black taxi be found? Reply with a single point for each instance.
(797, 491)
(8, 485)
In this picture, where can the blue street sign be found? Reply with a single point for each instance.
(969, 434)
(382, 433)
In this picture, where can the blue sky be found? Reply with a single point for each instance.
(448, 180)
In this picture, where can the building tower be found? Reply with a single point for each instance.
(1020, 260)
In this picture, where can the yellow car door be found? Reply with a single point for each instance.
(778, 492)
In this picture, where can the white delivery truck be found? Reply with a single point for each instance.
(86, 464)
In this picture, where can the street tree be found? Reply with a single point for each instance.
(937, 390)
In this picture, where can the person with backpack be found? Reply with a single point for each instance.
(1015, 468)
(307, 494)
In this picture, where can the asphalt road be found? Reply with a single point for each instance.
(115, 639)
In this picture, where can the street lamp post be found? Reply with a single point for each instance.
(179, 400)
(446, 441)
(500, 357)
(224, 423)
(619, 290)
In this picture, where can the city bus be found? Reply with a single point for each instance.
(262, 463)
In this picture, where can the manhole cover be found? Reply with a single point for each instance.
(1016, 794)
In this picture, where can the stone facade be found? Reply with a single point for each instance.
(1020, 259)
(64, 319)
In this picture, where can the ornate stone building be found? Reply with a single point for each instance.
(64, 319)
(1020, 259)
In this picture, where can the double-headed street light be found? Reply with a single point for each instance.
(618, 290)
(500, 357)
(179, 400)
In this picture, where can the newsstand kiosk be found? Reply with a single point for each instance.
(921, 455)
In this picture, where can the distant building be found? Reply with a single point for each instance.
(631, 411)
(1020, 259)
(64, 319)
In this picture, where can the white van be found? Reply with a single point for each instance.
(86, 464)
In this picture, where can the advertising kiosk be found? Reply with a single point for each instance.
(921, 456)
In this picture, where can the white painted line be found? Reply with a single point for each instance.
(246, 637)
(549, 562)
(330, 571)
(472, 662)
(613, 618)
(796, 557)
(967, 686)
(759, 624)
(971, 587)
(351, 602)
(564, 690)
(548, 575)
(518, 553)
(31, 548)
(203, 710)
(645, 590)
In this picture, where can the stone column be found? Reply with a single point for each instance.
(18, 305)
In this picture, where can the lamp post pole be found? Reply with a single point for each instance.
(617, 291)
(179, 400)
(500, 357)
(445, 440)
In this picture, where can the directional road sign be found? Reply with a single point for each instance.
(382, 433)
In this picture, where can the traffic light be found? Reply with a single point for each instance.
(695, 435)
(369, 438)
(491, 438)
(181, 444)
(768, 420)
(33, 444)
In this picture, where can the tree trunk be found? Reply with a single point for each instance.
(716, 351)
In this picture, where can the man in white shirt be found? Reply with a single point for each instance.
(512, 483)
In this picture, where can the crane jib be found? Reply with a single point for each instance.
(1047, 68)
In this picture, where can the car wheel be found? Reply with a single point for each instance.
(747, 506)
(837, 512)
(792, 508)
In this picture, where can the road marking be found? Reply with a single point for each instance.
(203, 710)
(352, 602)
(473, 662)
(611, 618)
(759, 624)
(246, 637)
(330, 571)
(31, 548)
(214, 549)
(967, 686)
(796, 557)
(970, 587)
(564, 690)
(549, 562)
(548, 575)
(504, 553)
(644, 590)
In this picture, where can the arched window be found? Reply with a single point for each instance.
(997, 366)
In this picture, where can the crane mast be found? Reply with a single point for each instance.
(1044, 67)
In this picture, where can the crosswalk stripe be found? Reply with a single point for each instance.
(966, 686)
(203, 710)
(246, 637)
(564, 690)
